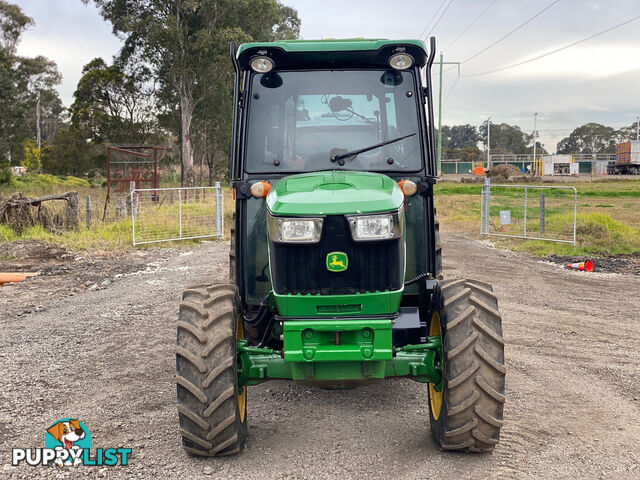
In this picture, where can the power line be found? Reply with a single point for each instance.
(451, 90)
(512, 31)
(471, 24)
(556, 50)
(440, 18)
(434, 74)
(432, 19)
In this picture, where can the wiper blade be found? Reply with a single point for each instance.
(353, 153)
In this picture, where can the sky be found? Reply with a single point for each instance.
(596, 81)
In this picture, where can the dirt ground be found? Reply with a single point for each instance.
(94, 337)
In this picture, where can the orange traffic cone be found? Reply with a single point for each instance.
(585, 266)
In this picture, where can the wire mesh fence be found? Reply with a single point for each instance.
(532, 212)
(168, 214)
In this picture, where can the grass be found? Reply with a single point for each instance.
(38, 183)
(607, 223)
(604, 189)
(596, 234)
(458, 207)
(114, 236)
(114, 232)
(7, 234)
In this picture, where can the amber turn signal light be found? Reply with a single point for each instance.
(408, 187)
(260, 189)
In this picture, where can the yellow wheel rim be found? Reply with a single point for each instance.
(435, 397)
(242, 396)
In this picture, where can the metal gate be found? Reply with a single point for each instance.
(169, 214)
(533, 212)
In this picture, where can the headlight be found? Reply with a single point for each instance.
(376, 227)
(295, 230)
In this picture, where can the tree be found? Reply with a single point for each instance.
(540, 150)
(13, 23)
(69, 153)
(505, 138)
(590, 138)
(36, 81)
(176, 39)
(460, 136)
(32, 156)
(53, 114)
(27, 88)
(213, 114)
(628, 133)
(13, 127)
(113, 104)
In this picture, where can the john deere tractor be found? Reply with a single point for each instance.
(335, 258)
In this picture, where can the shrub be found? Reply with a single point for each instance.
(5, 175)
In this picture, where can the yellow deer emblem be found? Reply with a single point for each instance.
(337, 262)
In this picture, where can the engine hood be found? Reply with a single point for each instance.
(336, 192)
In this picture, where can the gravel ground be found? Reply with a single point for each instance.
(104, 354)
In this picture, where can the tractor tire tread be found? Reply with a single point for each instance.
(206, 377)
(474, 370)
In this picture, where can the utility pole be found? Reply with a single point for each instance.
(439, 152)
(637, 128)
(489, 143)
(535, 136)
(439, 169)
(38, 134)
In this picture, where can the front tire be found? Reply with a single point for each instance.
(211, 408)
(467, 413)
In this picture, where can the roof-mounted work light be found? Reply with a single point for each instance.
(401, 61)
(262, 64)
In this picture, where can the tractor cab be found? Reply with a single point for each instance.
(334, 128)
(335, 257)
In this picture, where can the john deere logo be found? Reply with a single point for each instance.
(337, 261)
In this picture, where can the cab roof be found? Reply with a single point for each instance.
(332, 53)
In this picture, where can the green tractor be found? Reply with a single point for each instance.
(335, 259)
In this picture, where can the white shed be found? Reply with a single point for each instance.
(560, 165)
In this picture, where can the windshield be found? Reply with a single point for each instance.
(299, 120)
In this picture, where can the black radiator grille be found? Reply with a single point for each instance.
(373, 266)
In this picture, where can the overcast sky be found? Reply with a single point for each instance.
(598, 80)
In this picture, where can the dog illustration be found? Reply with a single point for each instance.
(67, 433)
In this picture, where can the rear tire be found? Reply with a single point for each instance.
(212, 411)
(468, 412)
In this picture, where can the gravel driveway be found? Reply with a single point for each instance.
(105, 355)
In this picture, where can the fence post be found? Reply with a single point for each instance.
(525, 211)
(180, 212)
(542, 213)
(218, 196)
(72, 211)
(487, 183)
(575, 213)
(132, 190)
(121, 208)
(88, 212)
